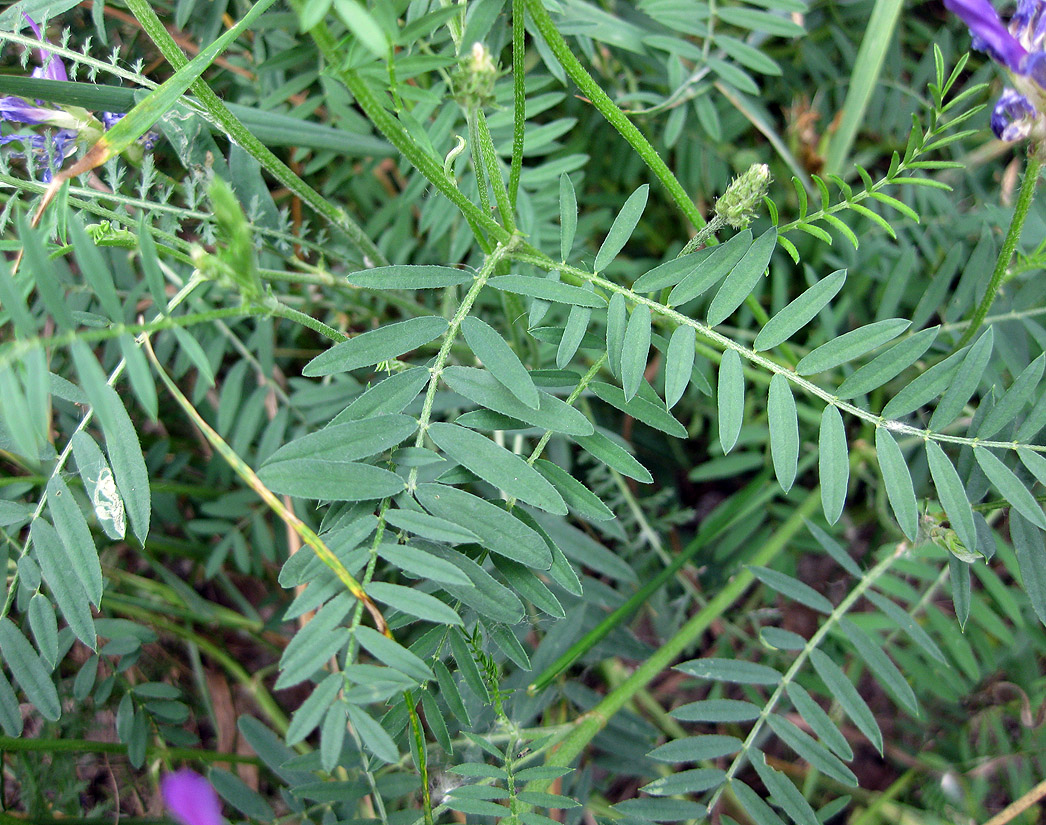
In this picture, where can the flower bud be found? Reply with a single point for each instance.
(475, 78)
(738, 204)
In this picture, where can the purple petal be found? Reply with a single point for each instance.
(989, 34)
(1013, 116)
(51, 67)
(191, 799)
(18, 111)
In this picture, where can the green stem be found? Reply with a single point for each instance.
(152, 25)
(519, 98)
(17, 348)
(497, 182)
(472, 120)
(21, 745)
(614, 116)
(1009, 245)
(444, 351)
(585, 727)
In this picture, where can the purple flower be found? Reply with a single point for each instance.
(191, 799)
(1021, 49)
(51, 67)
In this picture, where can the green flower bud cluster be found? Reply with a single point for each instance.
(474, 78)
(738, 204)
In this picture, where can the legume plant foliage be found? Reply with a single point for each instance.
(532, 411)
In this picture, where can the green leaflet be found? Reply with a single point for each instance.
(925, 387)
(413, 602)
(966, 379)
(634, 351)
(60, 573)
(409, 277)
(370, 348)
(493, 463)
(498, 357)
(394, 655)
(851, 345)
(871, 651)
(843, 691)
(326, 479)
(349, 441)
(1010, 487)
(679, 363)
(792, 588)
(429, 527)
(717, 710)
(374, 736)
(952, 494)
(793, 317)
(731, 399)
(567, 216)
(833, 463)
(576, 495)
(696, 748)
(420, 564)
(480, 387)
(898, 481)
(811, 750)
(617, 320)
(742, 278)
(121, 441)
(672, 271)
(29, 671)
(640, 408)
(887, 365)
(783, 422)
(499, 531)
(621, 230)
(573, 333)
(76, 537)
(714, 263)
(819, 721)
(613, 455)
(1022, 389)
(554, 291)
(1031, 559)
(730, 670)
(783, 792)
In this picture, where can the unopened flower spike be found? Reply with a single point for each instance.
(1021, 50)
(190, 799)
(738, 204)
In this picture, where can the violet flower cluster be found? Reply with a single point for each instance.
(1021, 50)
(191, 799)
(70, 124)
